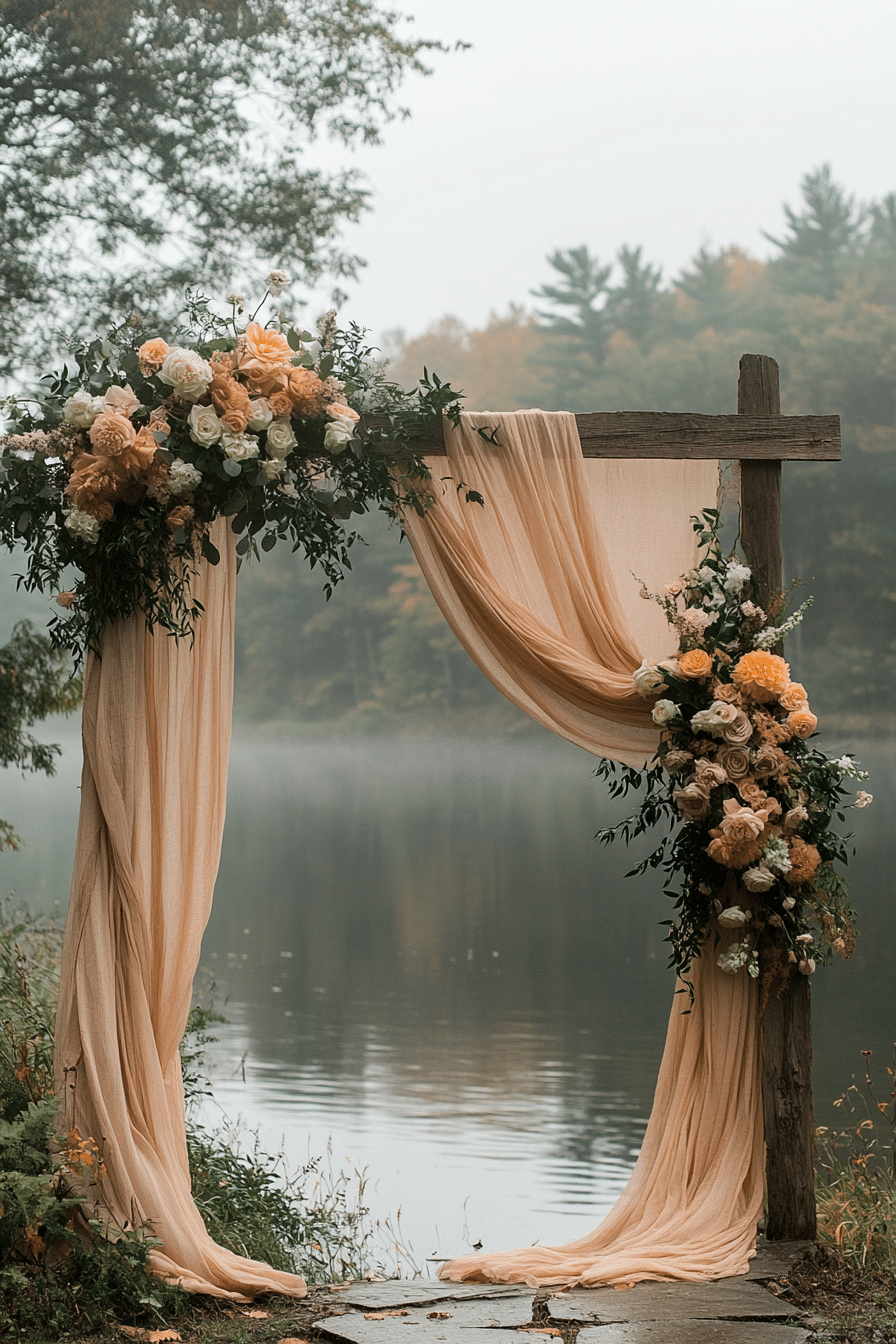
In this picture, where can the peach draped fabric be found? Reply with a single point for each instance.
(542, 584)
(156, 731)
(542, 587)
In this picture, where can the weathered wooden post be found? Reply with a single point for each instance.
(786, 1022)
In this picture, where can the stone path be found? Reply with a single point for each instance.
(730, 1311)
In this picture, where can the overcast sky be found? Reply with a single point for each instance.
(632, 121)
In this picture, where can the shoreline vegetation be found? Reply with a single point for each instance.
(60, 1280)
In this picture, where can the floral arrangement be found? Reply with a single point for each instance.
(115, 470)
(750, 798)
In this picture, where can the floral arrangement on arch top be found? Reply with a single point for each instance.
(749, 797)
(116, 470)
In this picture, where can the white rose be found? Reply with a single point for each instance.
(82, 409)
(733, 917)
(647, 680)
(183, 477)
(338, 436)
(186, 372)
(239, 447)
(664, 711)
(280, 437)
(807, 967)
(863, 799)
(674, 588)
(205, 427)
(83, 525)
(122, 400)
(758, 879)
(735, 577)
(260, 415)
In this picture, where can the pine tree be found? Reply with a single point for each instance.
(822, 239)
(632, 306)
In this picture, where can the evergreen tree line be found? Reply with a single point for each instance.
(615, 336)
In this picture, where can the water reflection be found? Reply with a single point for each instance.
(427, 957)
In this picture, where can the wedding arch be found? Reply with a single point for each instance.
(541, 608)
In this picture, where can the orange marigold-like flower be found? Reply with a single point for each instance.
(804, 861)
(309, 395)
(802, 722)
(151, 355)
(696, 663)
(762, 676)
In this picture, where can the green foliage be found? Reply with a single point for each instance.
(129, 125)
(61, 1271)
(135, 555)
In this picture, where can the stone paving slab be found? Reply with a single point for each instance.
(433, 1320)
(774, 1258)
(692, 1332)
(726, 1299)
(417, 1292)
(398, 1330)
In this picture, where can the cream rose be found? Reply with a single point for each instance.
(676, 760)
(82, 409)
(280, 439)
(739, 731)
(239, 447)
(734, 917)
(692, 801)
(186, 372)
(647, 680)
(338, 436)
(664, 711)
(758, 879)
(260, 415)
(205, 427)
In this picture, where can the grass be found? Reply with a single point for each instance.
(58, 1274)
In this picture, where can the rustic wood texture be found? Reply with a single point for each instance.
(786, 1025)
(638, 434)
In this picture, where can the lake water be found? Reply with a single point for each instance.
(430, 966)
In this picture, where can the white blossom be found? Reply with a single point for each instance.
(280, 438)
(260, 415)
(83, 525)
(863, 799)
(734, 917)
(736, 575)
(647, 679)
(239, 447)
(339, 434)
(664, 711)
(183, 477)
(758, 879)
(776, 856)
(276, 282)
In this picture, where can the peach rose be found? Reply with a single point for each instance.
(264, 359)
(65, 600)
(111, 433)
(793, 696)
(768, 761)
(121, 400)
(802, 722)
(762, 676)
(737, 840)
(151, 355)
(724, 691)
(281, 405)
(696, 663)
(709, 775)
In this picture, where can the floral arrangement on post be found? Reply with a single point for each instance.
(754, 851)
(115, 470)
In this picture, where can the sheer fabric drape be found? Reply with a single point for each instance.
(156, 733)
(542, 586)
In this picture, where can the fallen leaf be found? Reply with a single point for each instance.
(257, 1315)
(538, 1330)
(623, 1287)
(381, 1315)
(437, 1315)
(293, 1339)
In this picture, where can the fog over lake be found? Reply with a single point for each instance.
(426, 958)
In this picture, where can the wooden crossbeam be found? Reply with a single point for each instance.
(673, 434)
(760, 438)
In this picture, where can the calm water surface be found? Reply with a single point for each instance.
(430, 965)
